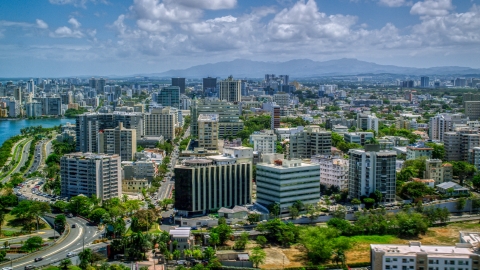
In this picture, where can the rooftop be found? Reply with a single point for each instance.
(460, 250)
(208, 118)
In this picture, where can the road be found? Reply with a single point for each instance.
(81, 236)
(37, 158)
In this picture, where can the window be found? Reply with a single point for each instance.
(404, 260)
(388, 260)
(420, 268)
(421, 262)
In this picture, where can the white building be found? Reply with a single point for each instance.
(416, 256)
(333, 171)
(442, 123)
(282, 99)
(287, 181)
(285, 133)
(367, 122)
(264, 142)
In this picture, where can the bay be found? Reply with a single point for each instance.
(10, 128)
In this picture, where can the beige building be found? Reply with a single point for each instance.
(161, 122)
(312, 141)
(120, 141)
(434, 169)
(208, 131)
(282, 99)
(416, 256)
(230, 90)
(134, 185)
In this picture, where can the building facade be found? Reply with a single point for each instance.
(229, 122)
(312, 141)
(91, 174)
(436, 170)
(264, 142)
(230, 90)
(333, 171)
(208, 131)
(161, 122)
(169, 97)
(442, 123)
(120, 141)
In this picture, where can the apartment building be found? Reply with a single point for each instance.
(264, 142)
(91, 174)
(458, 145)
(414, 152)
(208, 131)
(285, 181)
(135, 185)
(360, 138)
(282, 99)
(312, 141)
(370, 170)
(140, 169)
(211, 183)
(416, 256)
(333, 171)
(120, 141)
(285, 133)
(472, 110)
(367, 122)
(230, 90)
(436, 170)
(275, 117)
(229, 123)
(161, 122)
(442, 123)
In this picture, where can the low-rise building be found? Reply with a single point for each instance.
(264, 142)
(419, 152)
(360, 138)
(183, 237)
(134, 185)
(452, 189)
(333, 171)
(438, 171)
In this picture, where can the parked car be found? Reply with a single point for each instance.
(7, 268)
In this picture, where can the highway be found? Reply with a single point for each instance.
(24, 157)
(82, 235)
(37, 158)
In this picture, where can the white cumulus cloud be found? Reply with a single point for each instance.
(41, 24)
(74, 22)
(66, 32)
(432, 8)
(395, 3)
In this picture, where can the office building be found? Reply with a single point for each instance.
(34, 109)
(416, 256)
(120, 141)
(460, 82)
(209, 84)
(211, 183)
(438, 171)
(472, 110)
(442, 123)
(285, 181)
(367, 122)
(169, 97)
(229, 123)
(424, 82)
(100, 85)
(333, 171)
(91, 174)
(14, 108)
(264, 142)
(282, 99)
(31, 87)
(161, 122)
(17, 94)
(275, 117)
(130, 120)
(92, 83)
(180, 83)
(208, 131)
(310, 142)
(230, 90)
(370, 170)
(140, 169)
(360, 138)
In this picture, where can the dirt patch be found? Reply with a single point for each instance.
(278, 257)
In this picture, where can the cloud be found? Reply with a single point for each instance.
(432, 8)
(74, 23)
(208, 4)
(394, 3)
(76, 3)
(41, 24)
(66, 32)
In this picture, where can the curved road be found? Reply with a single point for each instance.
(24, 157)
(82, 234)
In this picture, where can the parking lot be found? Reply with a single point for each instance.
(31, 189)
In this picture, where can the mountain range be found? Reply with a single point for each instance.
(302, 68)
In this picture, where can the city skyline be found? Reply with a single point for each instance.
(54, 38)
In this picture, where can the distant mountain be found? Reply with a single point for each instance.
(307, 68)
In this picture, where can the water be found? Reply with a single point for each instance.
(10, 128)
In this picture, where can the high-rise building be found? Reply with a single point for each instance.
(284, 182)
(161, 122)
(230, 90)
(458, 144)
(424, 82)
(67, 98)
(50, 105)
(275, 117)
(310, 142)
(460, 82)
(472, 110)
(17, 94)
(100, 85)
(169, 97)
(208, 131)
(371, 170)
(282, 99)
(229, 123)
(441, 123)
(34, 109)
(367, 122)
(91, 174)
(333, 171)
(31, 87)
(120, 141)
(179, 82)
(92, 83)
(211, 183)
(264, 142)
(209, 83)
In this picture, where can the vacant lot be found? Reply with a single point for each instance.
(294, 256)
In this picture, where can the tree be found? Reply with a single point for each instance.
(242, 241)
(294, 212)
(258, 256)
(416, 190)
(214, 239)
(261, 240)
(208, 253)
(224, 232)
(321, 243)
(356, 201)
(274, 209)
(60, 222)
(85, 257)
(476, 181)
(438, 150)
(253, 217)
(461, 202)
(3, 254)
(80, 205)
(32, 243)
(369, 202)
(463, 170)
(64, 264)
(475, 203)
(2, 219)
(97, 215)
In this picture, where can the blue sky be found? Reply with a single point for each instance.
(57, 38)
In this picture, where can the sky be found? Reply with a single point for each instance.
(61, 38)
